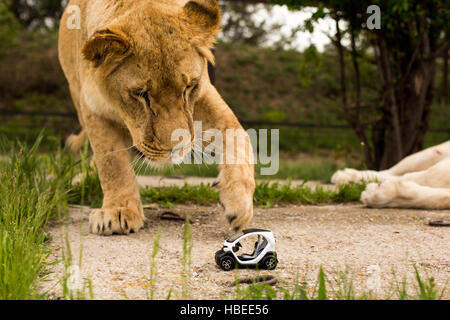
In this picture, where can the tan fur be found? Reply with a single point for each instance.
(421, 180)
(129, 52)
(76, 141)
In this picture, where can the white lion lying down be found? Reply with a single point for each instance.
(421, 180)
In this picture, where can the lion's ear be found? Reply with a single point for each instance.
(106, 45)
(204, 18)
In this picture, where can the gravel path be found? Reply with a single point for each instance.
(158, 181)
(308, 237)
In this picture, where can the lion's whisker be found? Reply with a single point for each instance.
(121, 150)
(140, 167)
(135, 162)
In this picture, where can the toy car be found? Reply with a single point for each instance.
(263, 256)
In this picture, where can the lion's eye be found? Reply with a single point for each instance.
(192, 85)
(144, 95)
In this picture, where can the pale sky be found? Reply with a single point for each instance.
(291, 20)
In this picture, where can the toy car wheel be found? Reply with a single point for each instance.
(218, 255)
(269, 262)
(227, 263)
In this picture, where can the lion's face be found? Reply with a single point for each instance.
(155, 91)
(152, 66)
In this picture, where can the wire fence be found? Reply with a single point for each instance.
(294, 136)
(247, 123)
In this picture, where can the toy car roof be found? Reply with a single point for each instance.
(236, 236)
(254, 230)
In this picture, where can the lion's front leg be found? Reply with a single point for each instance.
(236, 171)
(122, 211)
(237, 185)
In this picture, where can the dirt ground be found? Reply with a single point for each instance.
(308, 237)
(156, 181)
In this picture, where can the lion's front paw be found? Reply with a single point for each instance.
(115, 221)
(351, 175)
(345, 176)
(237, 200)
(391, 193)
(372, 197)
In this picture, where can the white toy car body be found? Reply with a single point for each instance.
(263, 256)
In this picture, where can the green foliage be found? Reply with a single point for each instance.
(33, 189)
(395, 14)
(426, 289)
(241, 26)
(88, 190)
(153, 265)
(322, 290)
(85, 291)
(187, 259)
(8, 28)
(316, 169)
(255, 291)
(267, 194)
(201, 194)
(274, 116)
(189, 170)
(309, 65)
(345, 289)
(338, 289)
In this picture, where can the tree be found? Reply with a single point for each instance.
(444, 94)
(37, 14)
(241, 24)
(412, 36)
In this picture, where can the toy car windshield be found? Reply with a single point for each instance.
(239, 234)
(235, 236)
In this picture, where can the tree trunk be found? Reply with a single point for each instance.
(407, 101)
(352, 114)
(394, 143)
(444, 97)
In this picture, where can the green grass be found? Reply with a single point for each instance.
(153, 265)
(73, 286)
(266, 194)
(187, 260)
(340, 288)
(33, 189)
